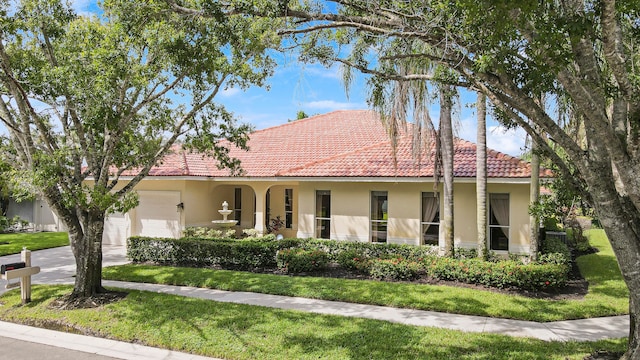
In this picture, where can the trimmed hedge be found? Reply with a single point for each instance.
(395, 269)
(228, 254)
(300, 260)
(381, 261)
(368, 250)
(502, 274)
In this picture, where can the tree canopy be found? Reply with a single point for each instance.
(88, 99)
(581, 56)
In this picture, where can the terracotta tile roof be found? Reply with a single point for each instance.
(346, 143)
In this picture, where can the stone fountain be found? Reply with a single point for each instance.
(224, 223)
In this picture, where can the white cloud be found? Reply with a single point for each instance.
(334, 72)
(262, 121)
(467, 129)
(331, 105)
(84, 7)
(508, 141)
(230, 92)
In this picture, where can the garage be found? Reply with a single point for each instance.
(116, 229)
(155, 216)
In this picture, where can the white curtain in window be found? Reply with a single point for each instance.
(429, 209)
(500, 209)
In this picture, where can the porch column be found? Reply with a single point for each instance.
(261, 211)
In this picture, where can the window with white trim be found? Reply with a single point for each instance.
(288, 208)
(430, 218)
(499, 222)
(323, 214)
(379, 216)
(237, 204)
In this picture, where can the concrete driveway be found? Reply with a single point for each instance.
(57, 265)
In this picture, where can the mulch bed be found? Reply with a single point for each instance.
(604, 355)
(575, 289)
(72, 302)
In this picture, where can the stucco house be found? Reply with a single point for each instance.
(37, 212)
(332, 176)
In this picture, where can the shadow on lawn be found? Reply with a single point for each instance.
(236, 331)
(240, 331)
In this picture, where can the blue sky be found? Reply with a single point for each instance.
(317, 90)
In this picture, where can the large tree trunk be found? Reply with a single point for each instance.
(446, 138)
(481, 177)
(621, 221)
(85, 235)
(87, 249)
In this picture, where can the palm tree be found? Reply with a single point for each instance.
(481, 176)
(446, 140)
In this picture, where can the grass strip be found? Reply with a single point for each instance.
(606, 298)
(234, 331)
(12, 243)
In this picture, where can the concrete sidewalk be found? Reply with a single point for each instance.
(58, 267)
(579, 330)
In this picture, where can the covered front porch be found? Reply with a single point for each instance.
(253, 205)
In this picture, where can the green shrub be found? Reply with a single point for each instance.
(542, 276)
(354, 260)
(228, 254)
(554, 251)
(299, 260)
(583, 246)
(208, 233)
(395, 269)
(4, 224)
(381, 261)
(465, 253)
(503, 274)
(369, 250)
(14, 224)
(251, 233)
(553, 258)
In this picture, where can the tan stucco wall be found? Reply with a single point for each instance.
(464, 214)
(350, 207)
(198, 205)
(350, 204)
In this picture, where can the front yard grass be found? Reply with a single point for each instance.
(607, 295)
(12, 243)
(234, 331)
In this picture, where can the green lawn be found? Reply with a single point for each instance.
(13, 243)
(233, 331)
(608, 294)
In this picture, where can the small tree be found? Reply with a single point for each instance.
(301, 115)
(87, 99)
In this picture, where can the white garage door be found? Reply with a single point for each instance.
(156, 215)
(116, 229)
